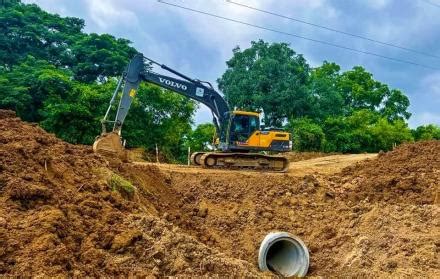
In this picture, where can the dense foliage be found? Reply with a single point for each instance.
(53, 73)
(268, 77)
(427, 132)
(324, 108)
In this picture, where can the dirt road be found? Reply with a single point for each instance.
(327, 165)
(322, 165)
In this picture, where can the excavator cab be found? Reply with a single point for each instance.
(239, 126)
(243, 124)
(243, 133)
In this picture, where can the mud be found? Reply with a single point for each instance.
(61, 216)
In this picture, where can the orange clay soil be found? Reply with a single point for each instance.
(62, 215)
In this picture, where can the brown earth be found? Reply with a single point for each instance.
(301, 156)
(60, 215)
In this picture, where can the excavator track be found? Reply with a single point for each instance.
(195, 158)
(246, 161)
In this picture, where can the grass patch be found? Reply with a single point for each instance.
(123, 186)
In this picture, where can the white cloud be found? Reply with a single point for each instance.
(431, 84)
(378, 4)
(49, 5)
(109, 13)
(424, 118)
(216, 33)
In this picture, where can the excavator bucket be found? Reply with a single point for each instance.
(110, 145)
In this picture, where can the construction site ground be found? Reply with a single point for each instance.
(65, 211)
(324, 165)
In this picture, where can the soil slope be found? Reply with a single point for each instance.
(62, 215)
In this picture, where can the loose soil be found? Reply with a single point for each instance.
(61, 216)
(301, 156)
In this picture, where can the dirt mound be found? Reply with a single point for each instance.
(62, 213)
(65, 212)
(409, 174)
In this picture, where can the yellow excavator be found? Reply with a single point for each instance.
(241, 142)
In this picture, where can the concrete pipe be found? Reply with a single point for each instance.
(283, 254)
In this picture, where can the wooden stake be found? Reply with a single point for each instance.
(157, 154)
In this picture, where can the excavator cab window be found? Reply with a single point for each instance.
(242, 126)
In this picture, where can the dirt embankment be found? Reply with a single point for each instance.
(410, 174)
(61, 214)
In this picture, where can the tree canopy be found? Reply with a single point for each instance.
(324, 108)
(53, 73)
(30, 31)
(268, 77)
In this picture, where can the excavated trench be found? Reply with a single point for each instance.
(65, 212)
(352, 223)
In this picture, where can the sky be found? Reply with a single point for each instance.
(198, 45)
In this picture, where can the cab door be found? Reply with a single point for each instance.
(255, 133)
(239, 131)
(245, 131)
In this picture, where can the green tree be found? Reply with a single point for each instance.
(306, 135)
(361, 91)
(98, 56)
(327, 98)
(364, 131)
(395, 106)
(8, 3)
(201, 139)
(386, 134)
(426, 132)
(29, 84)
(28, 30)
(350, 134)
(271, 77)
(13, 96)
(76, 117)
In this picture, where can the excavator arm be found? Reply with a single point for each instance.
(139, 70)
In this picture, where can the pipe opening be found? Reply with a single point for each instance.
(284, 254)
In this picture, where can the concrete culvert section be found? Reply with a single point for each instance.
(284, 254)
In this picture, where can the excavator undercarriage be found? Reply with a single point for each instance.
(246, 161)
